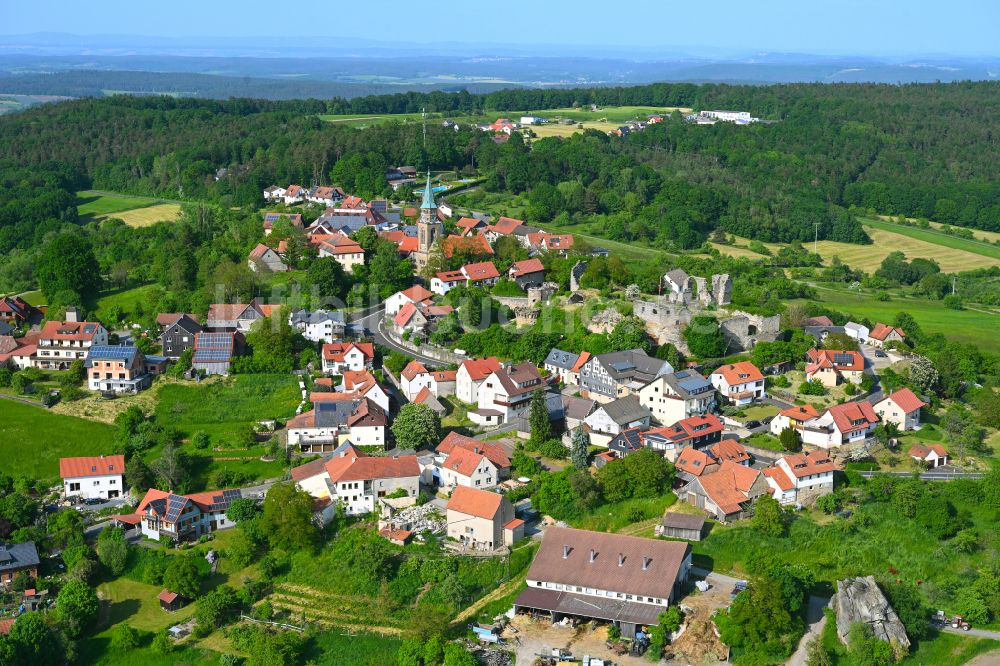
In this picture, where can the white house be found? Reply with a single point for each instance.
(794, 417)
(846, 423)
(356, 481)
(346, 251)
(678, 395)
(294, 194)
(801, 477)
(445, 281)
(415, 294)
(613, 417)
(739, 383)
(362, 384)
(333, 422)
(99, 477)
(901, 407)
(471, 375)
(265, 259)
(415, 377)
(507, 391)
(318, 326)
(469, 468)
(182, 517)
(274, 193)
(934, 455)
(340, 357)
(62, 342)
(857, 331)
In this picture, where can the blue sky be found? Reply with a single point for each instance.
(850, 27)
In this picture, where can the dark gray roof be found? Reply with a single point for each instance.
(683, 521)
(819, 331)
(561, 359)
(333, 413)
(677, 276)
(633, 364)
(5, 328)
(186, 323)
(15, 556)
(625, 410)
(686, 383)
(577, 408)
(317, 317)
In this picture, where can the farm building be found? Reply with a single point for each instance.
(681, 526)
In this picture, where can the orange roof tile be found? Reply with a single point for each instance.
(739, 373)
(91, 466)
(474, 502)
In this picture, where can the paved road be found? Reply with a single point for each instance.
(929, 476)
(981, 633)
(717, 578)
(373, 319)
(506, 427)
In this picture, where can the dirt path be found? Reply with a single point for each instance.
(501, 591)
(988, 659)
(817, 620)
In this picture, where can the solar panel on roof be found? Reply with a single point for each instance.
(843, 359)
(622, 365)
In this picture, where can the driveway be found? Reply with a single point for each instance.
(815, 620)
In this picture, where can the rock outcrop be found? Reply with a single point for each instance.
(861, 600)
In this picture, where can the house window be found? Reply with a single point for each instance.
(97, 483)
(74, 486)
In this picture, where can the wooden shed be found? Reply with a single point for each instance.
(681, 526)
(169, 601)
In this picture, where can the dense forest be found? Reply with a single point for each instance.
(921, 151)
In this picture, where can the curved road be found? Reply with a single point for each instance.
(373, 321)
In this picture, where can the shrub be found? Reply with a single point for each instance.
(124, 638)
(812, 388)
(162, 644)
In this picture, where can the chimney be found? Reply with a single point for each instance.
(593, 555)
(621, 559)
(646, 562)
(565, 551)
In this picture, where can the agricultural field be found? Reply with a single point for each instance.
(952, 254)
(968, 325)
(33, 439)
(979, 234)
(133, 211)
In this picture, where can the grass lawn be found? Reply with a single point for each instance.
(144, 217)
(136, 603)
(762, 440)
(972, 326)
(127, 299)
(758, 412)
(615, 516)
(33, 439)
(332, 647)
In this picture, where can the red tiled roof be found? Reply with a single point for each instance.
(514, 524)
(921, 451)
(338, 244)
(409, 244)
(362, 467)
(464, 460)
(845, 414)
(167, 596)
(412, 369)
(310, 469)
(445, 375)
(422, 396)
(91, 466)
(692, 461)
(906, 400)
(5, 626)
(739, 373)
(730, 449)
(581, 361)
(882, 331)
(68, 330)
(451, 276)
(806, 464)
(506, 225)
(729, 487)
(481, 368)
(519, 268)
(779, 477)
(492, 450)
(336, 351)
(825, 358)
(484, 270)
(417, 294)
(474, 502)
(822, 320)
(259, 251)
(405, 314)
(800, 412)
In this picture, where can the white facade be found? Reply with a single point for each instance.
(668, 408)
(483, 477)
(203, 522)
(466, 388)
(360, 497)
(395, 303)
(600, 422)
(94, 487)
(857, 331)
(738, 394)
(354, 359)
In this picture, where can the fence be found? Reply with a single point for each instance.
(428, 351)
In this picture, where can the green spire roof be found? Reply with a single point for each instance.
(428, 194)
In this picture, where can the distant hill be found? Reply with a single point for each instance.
(101, 83)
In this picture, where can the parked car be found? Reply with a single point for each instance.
(767, 420)
(752, 424)
(91, 501)
(880, 354)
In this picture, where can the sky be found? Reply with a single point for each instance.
(843, 27)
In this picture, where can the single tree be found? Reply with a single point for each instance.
(579, 454)
(416, 427)
(183, 576)
(112, 550)
(287, 519)
(767, 517)
(78, 606)
(790, 439)
(242, 509)
(67, 265)
(538, 419)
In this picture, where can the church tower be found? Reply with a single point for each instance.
(429, 228)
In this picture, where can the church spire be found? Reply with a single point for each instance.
(428, 201)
